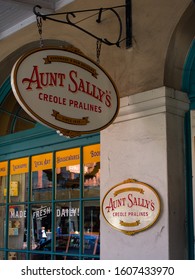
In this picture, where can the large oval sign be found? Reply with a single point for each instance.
(131, 206)
(65, 90)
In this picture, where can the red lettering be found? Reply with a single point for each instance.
(34, 79)
(108, 100)
(75, 86)
(51, 98)
(41, 80)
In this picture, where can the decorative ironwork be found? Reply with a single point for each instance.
(69, 16)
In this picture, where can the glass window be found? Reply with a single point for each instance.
(42, 180)
(67, 217)
(67, 229)
(18, 188)
(57, 217)
(91, 155)
(2, 228)
(91, 240)
(41, 225)
(13, 117)
(3, 181)
(17, 227)
(68, 174)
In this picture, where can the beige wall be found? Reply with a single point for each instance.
(139, 68)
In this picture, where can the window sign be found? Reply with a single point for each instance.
(91, 153)
(68, 157)
(42, 162)
(19, 166)
(3, 168)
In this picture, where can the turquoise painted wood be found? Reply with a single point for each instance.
(188, 86)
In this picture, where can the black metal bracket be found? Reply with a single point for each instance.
(70, 15)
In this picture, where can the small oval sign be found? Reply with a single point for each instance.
(131, 206)
(65, 90)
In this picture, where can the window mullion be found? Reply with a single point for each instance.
(81, 212)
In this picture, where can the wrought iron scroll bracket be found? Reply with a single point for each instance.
(69, 16)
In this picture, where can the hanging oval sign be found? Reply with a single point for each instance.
(65, 90)
(131, 206)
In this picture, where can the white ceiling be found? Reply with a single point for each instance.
(16, 14)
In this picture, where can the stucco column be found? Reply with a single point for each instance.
(146, 143)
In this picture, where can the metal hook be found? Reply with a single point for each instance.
(73, 15)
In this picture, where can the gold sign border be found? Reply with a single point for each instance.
(132, 232)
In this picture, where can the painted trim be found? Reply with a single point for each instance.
(188, 76)
(189, 87)
(189, 185)
(4, 89)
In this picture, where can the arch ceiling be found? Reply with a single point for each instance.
(162, 33)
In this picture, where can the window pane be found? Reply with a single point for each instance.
(67, 217)
(18, 191)
(91, 243)
(91, 156)
(68, 185)
(2, 227)
(3, 186)
(3, 181)
(13, 117)
(17, 227)
(18, 188)
(68, 174)
(67, 228)
(42, 185)
(42, 177)
(41, 217)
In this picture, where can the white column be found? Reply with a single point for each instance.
(146, 143)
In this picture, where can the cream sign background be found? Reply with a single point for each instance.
(65, 90)
(131, 206)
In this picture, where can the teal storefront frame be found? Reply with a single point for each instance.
(188, 86)
(41, 140)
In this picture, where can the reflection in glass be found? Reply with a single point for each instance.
(67, 228)
(68, 182)
(42, 185)
(91, 242)
(67, 217)
(92, 179)
(40, 224)
(91, 168)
